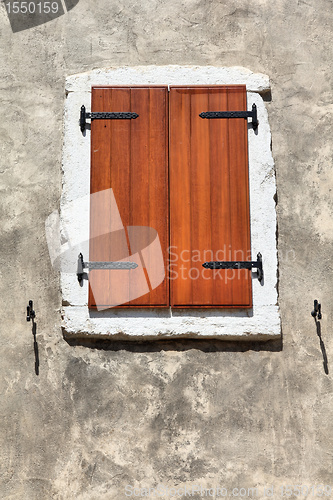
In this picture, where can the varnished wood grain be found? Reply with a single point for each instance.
(129, 156)
(209, 197)
(208, 204)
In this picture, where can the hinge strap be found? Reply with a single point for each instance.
(238, 265)
(233, 114)
(122, 115)
(81, 265)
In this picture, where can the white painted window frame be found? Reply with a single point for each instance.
(262, 322)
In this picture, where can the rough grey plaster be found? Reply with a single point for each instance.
(99, 417)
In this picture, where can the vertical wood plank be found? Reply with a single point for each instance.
(100, 181)
(239, 197)
(220, 220)
(180, 195)
(201, 207)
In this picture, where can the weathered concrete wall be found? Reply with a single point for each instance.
(99, 417)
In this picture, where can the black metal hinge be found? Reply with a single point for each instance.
(238, 265)
(81, 265)
(104, 116)
(234, 114)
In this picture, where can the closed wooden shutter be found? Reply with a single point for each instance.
(129, 192)
(209, 198)
(204, 190)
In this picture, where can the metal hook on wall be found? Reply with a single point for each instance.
(30, 311)
(317, 310)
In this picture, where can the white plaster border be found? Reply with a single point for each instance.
(262, 322)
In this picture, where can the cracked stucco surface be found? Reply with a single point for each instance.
(100, 416)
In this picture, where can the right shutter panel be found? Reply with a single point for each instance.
(209, 198)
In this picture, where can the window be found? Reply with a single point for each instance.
(185, 177)
(189, 315)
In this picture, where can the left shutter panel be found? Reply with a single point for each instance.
(129, 198)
